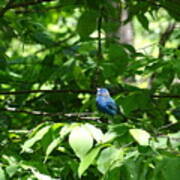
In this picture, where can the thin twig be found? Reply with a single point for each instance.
(74, 91)
(166, 96)
(19, 131)
(99, 49)
(127, 145)
(83, 115)
(166, 126)
(146, 46)
(45, 91)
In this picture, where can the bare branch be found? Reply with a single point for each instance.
(99, 50)
(166, 96)
(75, 92)
(166, 126)
(45, 91)
(83, 115)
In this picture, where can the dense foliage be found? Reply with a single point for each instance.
(53, 56)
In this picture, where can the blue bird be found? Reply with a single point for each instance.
(105, 103)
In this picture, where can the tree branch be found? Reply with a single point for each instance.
(99, 49)
(45, 91)
(75, 92)
(84, 115)
(166, 96)
(167, 126)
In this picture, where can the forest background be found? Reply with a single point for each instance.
(53, 56)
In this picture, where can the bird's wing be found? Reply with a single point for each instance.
(112, 105)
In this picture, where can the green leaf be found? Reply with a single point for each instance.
(143, 20)
(88, 159)
(119, 129)
(38, 136)
(41, 176)
(42, 38)
(160, 143)
(3, 62)
(37, 128)
(172, 7)
(167, 168)
(66, 130)
(2, 174)
(137, 100)
(47, 69)
(109, 158)
(96, 133)
(115, 130)
(85, 29)
(52, 146)
(80, 77)
(174, 139)
(118, 61)
(12, 169)
(141, 136)
(109, 136)
(132, 169)
(80, 141)
(171, 168)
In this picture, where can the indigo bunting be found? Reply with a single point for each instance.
(105, 103)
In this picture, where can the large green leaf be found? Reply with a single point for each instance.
(96, 133)
(109, 158)
(41, 176)
(137, 100)
(88, 159)
(85, 29)
(81, 141)
(118, 58)
(168, 168)
(144, 21)
(37, 137)
(52, 146)
(80, 77)
(12, 169)
(42, 38)
(141, 136)
(2, 174)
